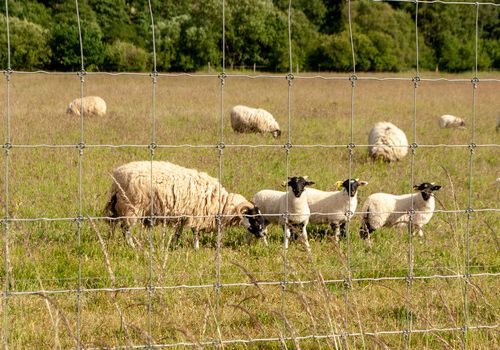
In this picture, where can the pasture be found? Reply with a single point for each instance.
(53, 181)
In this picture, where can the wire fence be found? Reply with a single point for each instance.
(285, 280)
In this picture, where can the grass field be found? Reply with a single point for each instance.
(45, 255)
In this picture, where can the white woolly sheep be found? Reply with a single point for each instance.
(387, 142)
(387, 210)
(248, 119)
(92, 106)
(274, 204)
(181, 196)
(450, 121)
(334, 208)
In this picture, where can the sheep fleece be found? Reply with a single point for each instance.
(247, 119)
(92, 106)
(387, 142)
(177, 191)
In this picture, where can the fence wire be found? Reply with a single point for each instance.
(348, 280)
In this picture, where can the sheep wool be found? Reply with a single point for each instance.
(92, 106)
(253, 120)
(387, 142)
(450, 121)
(179, 194)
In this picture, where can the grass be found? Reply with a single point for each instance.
(44, 255)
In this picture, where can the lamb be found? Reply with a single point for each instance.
(182, 196)
(387, 142)
(450, 121)
(92, 106)
(334, 208)
(387, 210)
(247, 119)
(274, 204)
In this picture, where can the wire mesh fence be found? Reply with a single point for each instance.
(349, 280)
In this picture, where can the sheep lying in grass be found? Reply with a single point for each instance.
(273, 204)
(92, 106)
(387, 142)
(387, 210)
(334, 207)
(247, 119)
(184, 197)
(450, 121)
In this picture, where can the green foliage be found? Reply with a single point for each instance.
(28, 44)
(188, 35)
(124, 56)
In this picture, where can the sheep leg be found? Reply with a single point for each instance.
(178, 230)
(128, 235)
(287, 235)
(304, 236)
(336, 231)
(365, 230)
(343, 231)
(196, 238)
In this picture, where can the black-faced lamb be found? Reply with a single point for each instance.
(334, 208)
(254, 120)
(181, 196)
(387, 210)
(450, 121)
(274, 204)
(387, 142)
(90, 105)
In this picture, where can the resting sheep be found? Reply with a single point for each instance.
(387, 210)
(181, 196)
(334, 208)
(274, 204)
(387, 142)
(247, 119)
(92, 106)
(450, 121)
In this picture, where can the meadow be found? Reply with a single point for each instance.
(72, 282)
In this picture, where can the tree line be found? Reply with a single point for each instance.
(117, 35)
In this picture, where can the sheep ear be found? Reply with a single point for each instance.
(416, 187)
(310, 183)
(283, 184)
(436, 187)
(362, 183)
(338, 185)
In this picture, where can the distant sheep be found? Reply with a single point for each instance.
(387, 142)
(333, 207)
(92, 106)
(248, 120)
(181, 196)
(387, 210)
(273, 204)
(450, 121)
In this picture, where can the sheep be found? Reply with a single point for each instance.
(387, 142)
(182, 196)
(450, 121)
(387, 210)
(334, 208)
(274, 204)
(92, 106)
(248, 119)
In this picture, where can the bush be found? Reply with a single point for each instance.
(125, 57)
(28, 44)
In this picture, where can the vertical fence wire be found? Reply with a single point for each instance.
(80, 147)
(348, 277)
(152, 147)
(7, 146)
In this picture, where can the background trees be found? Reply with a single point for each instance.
(116, 35)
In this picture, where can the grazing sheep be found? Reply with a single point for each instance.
(273, 204)
(450, 121)
(181, 196)
(333, 207)
(247, 119)
(386, 210)
(387, 142)
(92, 106)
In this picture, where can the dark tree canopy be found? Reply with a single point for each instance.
(117, 35)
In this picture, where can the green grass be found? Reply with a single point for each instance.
(43, 182)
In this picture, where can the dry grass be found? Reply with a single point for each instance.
(43, 182)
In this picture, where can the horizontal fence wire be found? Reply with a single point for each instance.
(283, 277)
